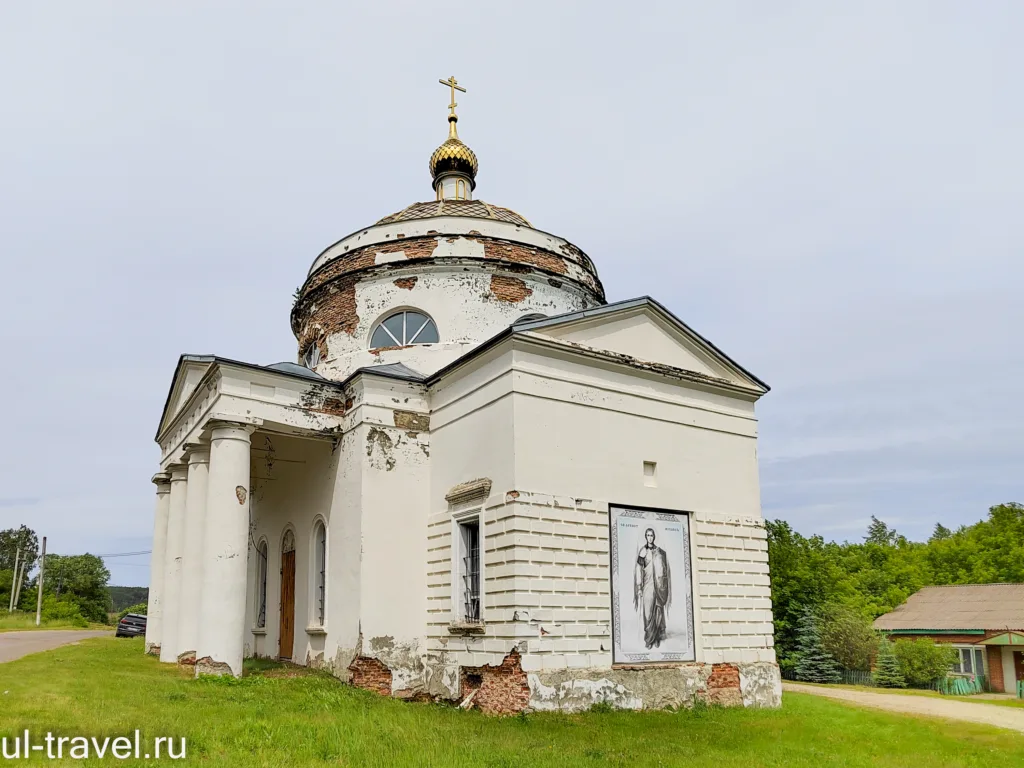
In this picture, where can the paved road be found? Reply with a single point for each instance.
(933, 706)
(14, 645)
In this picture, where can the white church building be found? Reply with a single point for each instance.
(479, 482)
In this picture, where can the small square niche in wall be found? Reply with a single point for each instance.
(651, 473)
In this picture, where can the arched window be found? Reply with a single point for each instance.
(404, 328)
(319, 572)
(261, 585)
(312, 356)
(460, 189)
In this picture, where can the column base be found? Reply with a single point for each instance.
(187, 659)
(153, 649)
(207, 666)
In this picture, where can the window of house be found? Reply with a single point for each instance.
(261, 585)
(469, 570)
(312, 356)
(320, 572)
(404, 328)
(970, 660)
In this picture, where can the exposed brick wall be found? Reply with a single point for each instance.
(424, 247)
(320, 313)
(500, 690)
(995, 668)
(370, 675)
(406, 282)
(510, 289)
(724, 685)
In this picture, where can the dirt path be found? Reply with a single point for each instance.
(14, 645)
(989, 714)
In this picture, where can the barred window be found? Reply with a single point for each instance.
(320, 573)
(469, 569)
(261, 585)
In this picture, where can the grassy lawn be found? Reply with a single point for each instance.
(1000, 702)
(284, 717)
(11, 622)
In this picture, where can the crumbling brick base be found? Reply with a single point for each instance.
(724, 685)
(370, 675)
(500, 690)
(187, 659)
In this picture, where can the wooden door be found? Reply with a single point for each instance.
(284, 650)
(1018, 665)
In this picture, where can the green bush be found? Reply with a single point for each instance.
(923, 661)
(139, 608)
(55, 609)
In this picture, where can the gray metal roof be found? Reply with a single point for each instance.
(295, 370)
(964, 606)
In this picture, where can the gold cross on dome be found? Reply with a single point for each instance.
(452, 83)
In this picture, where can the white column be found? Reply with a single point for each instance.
(192, 562)
(157, 563)
(222, 615)
(172, 574)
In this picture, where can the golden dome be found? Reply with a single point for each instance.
(454, 156)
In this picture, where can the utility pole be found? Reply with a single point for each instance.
(39, 581)
(21, 578)
(14, 578)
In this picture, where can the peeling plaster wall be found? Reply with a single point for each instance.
(468, 303)
(752, 685)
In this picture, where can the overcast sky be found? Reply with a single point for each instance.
(830, 191)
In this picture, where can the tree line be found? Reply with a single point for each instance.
(842, 588)
(74, 586)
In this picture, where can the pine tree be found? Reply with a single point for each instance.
(813, 663)
(886, 673)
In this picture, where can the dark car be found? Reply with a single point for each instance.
(132, 625)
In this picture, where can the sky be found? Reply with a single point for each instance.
(830, 192)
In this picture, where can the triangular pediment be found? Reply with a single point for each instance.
(188, 374)
(643, 330)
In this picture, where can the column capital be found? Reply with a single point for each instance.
(162, 481)
(221, 429)
(178, 472)
(197, 453)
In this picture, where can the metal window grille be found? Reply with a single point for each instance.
(261, 620)
(471, 571)
(322, 577)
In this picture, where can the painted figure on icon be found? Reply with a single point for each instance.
(652, 589)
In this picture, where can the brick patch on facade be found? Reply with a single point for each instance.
(406, 282)
(370, 675)
(510, 289)
(724, 685)
(413, 422)
(187, 659)
(500, 690)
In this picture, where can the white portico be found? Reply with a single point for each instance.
(463, 486)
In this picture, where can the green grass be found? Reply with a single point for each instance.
(1000, 702)
(17, 621)
(287, 717)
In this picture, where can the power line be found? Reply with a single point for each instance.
(128, 554)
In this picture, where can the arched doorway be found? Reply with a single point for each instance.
(287, 636)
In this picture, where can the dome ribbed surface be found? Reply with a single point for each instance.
(477, 209)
